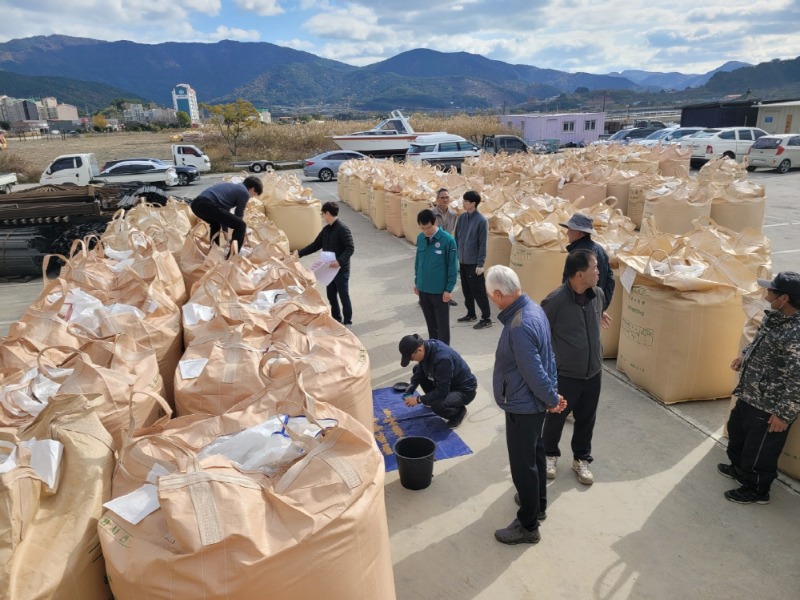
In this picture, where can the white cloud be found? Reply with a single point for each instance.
(206, 7)
(297, 44)
(236, 34)
(264, 8)
(586, 35)
(355, 23)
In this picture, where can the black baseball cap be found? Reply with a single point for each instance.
(785, 282)
(409, 345)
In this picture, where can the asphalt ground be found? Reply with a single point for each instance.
(654, 525)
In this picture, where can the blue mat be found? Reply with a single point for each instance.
(394, 420)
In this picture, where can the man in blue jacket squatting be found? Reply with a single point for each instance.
(525, 384)
(444, 376)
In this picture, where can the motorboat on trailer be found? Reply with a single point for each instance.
(389, 137)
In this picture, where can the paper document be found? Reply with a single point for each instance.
(322, 268)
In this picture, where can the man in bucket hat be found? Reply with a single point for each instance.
(768, 394)
(444, 376)
(579, 234)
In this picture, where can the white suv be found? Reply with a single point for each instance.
(441, 150)
(733, 142)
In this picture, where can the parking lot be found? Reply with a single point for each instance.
(654, 525)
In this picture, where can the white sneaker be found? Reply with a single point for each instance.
(551, 466)
(581, 468)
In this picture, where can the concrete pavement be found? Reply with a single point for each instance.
(654, 525)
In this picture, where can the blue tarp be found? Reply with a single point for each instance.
(394, 420)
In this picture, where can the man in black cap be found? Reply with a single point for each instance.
(768, 394)
(579, 234)
(444, 376)
(214, 206)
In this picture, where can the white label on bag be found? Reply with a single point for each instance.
(627, 277)
(45, 459)
(192, 368)
(137, 505)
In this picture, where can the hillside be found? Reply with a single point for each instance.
(770, 80)
(85, 95)
(213, 70)
(282, 78)
(270, 75)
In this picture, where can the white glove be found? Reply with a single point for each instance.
(478, 271)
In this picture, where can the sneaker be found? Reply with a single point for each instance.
(552, 461)
(482, 324)
(747, 495)
(456, 421)
(581, 468)
(517, 534)
(467, 319)
(542, 514)
(728, 471)
(453, 303)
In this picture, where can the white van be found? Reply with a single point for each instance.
(441, 150)
(191, 156)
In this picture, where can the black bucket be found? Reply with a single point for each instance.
(415, 461)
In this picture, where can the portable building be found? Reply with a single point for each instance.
(779, 117)
(741, 113)
(567, 128)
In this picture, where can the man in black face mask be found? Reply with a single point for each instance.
(768, 394)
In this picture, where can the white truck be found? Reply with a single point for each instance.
(7, 181)
(191, 156)
(82, 169)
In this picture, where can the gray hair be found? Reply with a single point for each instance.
(503, 279)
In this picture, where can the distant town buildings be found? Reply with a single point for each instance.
(184, 99)
(138, 113)
(28, 115)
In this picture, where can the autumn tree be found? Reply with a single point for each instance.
(232, 120)
(184, 120)
(100, 122)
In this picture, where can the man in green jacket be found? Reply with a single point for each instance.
(435, 272)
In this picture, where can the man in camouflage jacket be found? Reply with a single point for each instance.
(768, 394)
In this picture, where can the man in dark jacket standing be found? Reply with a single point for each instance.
(579, 234)
(768, 394)
(435, 272)
(472, 234)
(336, 237)
(525, 387)
(445, 218)
(444, 376)
(215, 204)
(575, 313)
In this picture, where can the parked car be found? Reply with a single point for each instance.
(625, 136)
(650, 123)
(670, 135)
(325, 166)
(186, 174)
(82, 169)
(510, 144)
(732, 142)
(134, 168)
(443, 150)
(781, 152)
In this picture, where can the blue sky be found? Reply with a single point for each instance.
(571, 35)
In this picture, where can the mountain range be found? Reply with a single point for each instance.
(269, 75)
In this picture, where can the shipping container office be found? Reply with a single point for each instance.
(720, 114)
(779, 117)
(575, 128)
